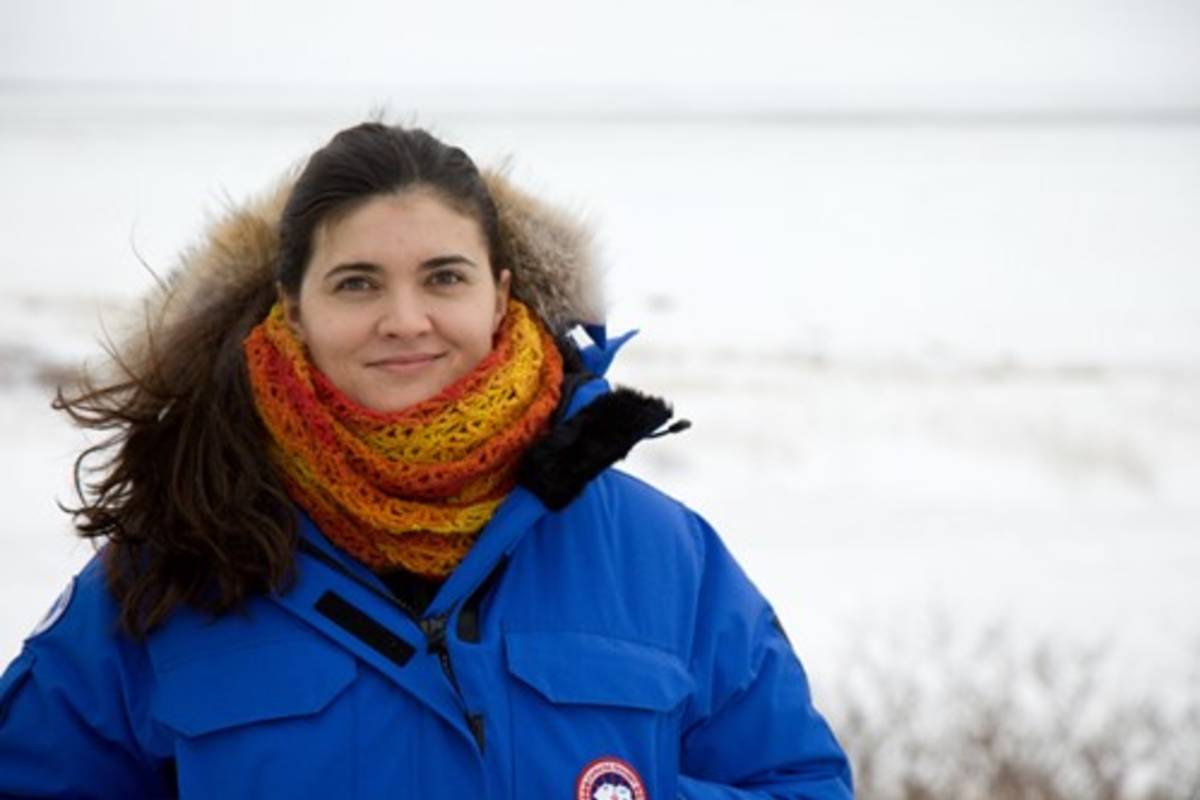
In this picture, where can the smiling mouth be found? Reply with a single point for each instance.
(410, 363)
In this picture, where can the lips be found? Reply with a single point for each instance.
(406, 363)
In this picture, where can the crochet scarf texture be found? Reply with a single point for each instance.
(412, 488)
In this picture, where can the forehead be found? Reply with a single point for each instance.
(417, 220)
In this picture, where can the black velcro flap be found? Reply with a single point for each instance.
(362, 626)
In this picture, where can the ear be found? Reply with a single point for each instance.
(502, 292)
(291, 310)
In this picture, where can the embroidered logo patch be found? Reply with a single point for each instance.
(609, 779)
(56, 611)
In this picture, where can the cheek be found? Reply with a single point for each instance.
(469, 327)
(331, 336)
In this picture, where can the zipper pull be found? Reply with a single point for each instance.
(434, 629)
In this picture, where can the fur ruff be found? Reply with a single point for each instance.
(228, 279)
(551, 254)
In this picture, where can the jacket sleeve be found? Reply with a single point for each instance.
(751, 729)
(66, 724)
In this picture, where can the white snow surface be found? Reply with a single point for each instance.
(941, 371)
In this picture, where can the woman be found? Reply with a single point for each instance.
(363, 537)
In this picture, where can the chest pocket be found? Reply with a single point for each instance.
(583, 699)
(264, 720)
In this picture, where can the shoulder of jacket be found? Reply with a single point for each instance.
(80, 652)
(83, 625)
(84, 604)
(622, 491)
(642, 515)
(662, 522)
(638, 490)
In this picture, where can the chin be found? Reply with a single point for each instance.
(392, 402)
(393, 406)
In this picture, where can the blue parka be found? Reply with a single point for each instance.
(617, 628)
(597, 642)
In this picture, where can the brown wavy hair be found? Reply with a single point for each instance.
(181, 487)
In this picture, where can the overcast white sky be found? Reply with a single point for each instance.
(803, 53)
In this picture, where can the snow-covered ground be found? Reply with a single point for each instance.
(934, 370)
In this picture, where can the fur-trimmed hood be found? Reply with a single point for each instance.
(549, 251)
(224, 286)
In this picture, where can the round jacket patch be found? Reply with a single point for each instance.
(609, 779)
(56, 611)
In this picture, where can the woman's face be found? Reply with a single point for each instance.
(398, 300)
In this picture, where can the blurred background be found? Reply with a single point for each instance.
(924, 276)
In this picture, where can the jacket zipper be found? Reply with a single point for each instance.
(434, 628)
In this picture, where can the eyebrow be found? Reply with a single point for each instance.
(442, 261)
(427, 264)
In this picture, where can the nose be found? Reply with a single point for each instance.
(404, 315)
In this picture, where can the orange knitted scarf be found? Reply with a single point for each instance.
(411, 488)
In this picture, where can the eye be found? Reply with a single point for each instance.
(354, 283)
(446, 277)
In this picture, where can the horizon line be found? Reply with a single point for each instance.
(761, 104)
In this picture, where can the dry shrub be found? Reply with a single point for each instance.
(988, 718)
